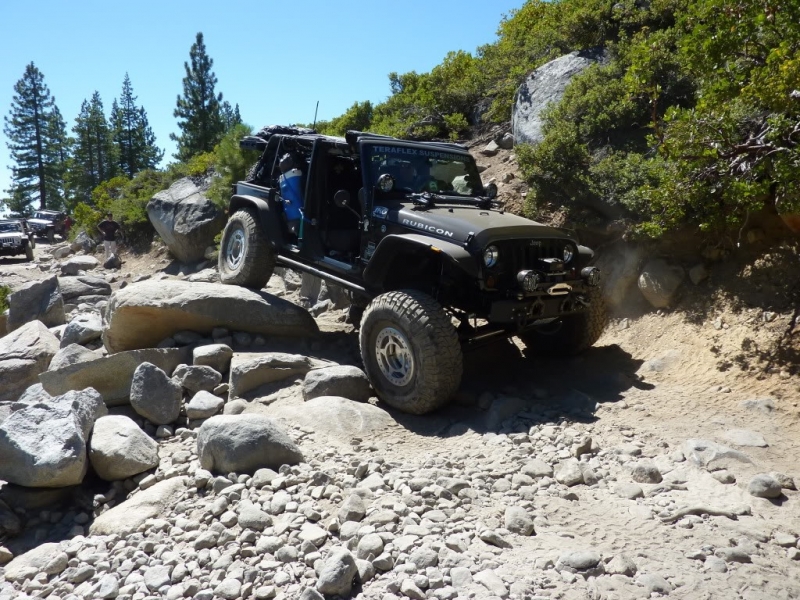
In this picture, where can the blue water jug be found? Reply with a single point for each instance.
(291, 184)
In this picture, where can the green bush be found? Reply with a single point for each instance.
(230, 164)
(5, 292)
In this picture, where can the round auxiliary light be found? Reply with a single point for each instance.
(490, 256)
(569, 253)
(528, 280)
(386, 182)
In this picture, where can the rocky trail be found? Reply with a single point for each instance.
(242, 462)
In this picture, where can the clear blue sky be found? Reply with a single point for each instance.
(275, 59)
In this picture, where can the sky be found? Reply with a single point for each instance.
(275, 59)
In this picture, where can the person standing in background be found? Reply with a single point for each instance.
(109, 228)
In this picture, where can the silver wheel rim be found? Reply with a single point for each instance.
(234, 250)
(394, 356)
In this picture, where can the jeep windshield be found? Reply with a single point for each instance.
(10, 227)
(44, 216)
(418, 169)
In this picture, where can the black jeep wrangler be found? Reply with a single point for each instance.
(14, 240)
(410, 230)
(48, 223)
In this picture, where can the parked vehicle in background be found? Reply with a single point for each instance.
(48, 224)
(13, 240)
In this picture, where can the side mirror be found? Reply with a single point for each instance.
(341, 198)
(386, 182)
(491, 191)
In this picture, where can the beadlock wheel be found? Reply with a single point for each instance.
(394, 356)
(235, 249)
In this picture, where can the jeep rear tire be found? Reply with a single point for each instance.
(245, 256)
(572, 334)
(411, 351)
(28, 252)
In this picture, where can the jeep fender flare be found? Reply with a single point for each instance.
(267, 217)
(395, 245)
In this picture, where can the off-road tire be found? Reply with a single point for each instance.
(28, 252)
(433, 344)
(575, 334)
(51, 236)
(251, 173)
(257, 261)
(32, 241)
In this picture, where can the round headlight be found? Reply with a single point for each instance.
(490, 256)
(569, 253)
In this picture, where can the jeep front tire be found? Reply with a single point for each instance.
(245, 256)
(28, 252)
(411, 351)
(573, 333)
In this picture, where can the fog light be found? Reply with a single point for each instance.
(591, 275)
(528, 280)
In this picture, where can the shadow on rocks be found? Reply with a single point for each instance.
(505, 390)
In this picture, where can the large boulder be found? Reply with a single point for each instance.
(119, 449)
(154, 502)
(154, 395)
(43, 444)
(243, 444)
(659, 282)
(111, 375)
(83, 328)
(48, 558)
(79, 263)
(36, 301)
(24, 354)
(216, 356)
(71, 354)
(338, 420)
(345, 381)
(249, 372)
(545, 86)
(72, 288)
(143, 314)
(185, 219)
(83, 242)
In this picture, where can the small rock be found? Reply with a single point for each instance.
(569, 473)
(654, 583)
(646, 472)
(517, 520)
(621, 565)
(764, 486)
(337, 573)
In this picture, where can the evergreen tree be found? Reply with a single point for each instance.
(56, 159)
(199, 110)
(94, 156)
(133, 137)
(230, 116)
(32, 127)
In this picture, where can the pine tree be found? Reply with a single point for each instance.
(230, 116)
(133, 137)
(94, 156)
(199, 109)
(32, 127)
(57, 155)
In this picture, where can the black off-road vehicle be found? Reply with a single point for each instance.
(48, 223)
(410, 230)
(14, 240)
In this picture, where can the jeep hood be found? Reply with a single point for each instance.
(6, 235)
(39, 222)
(456, 223)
